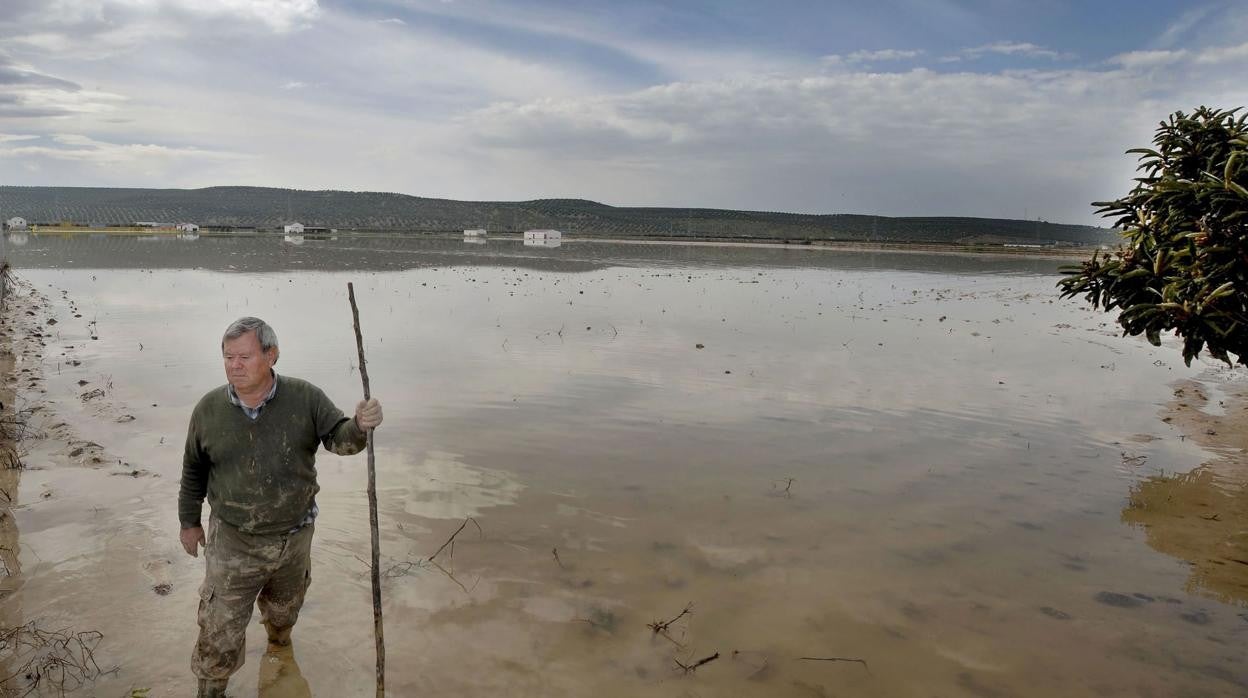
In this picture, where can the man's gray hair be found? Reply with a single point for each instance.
(243, 325)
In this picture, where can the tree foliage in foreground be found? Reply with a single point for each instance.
(1184, 263)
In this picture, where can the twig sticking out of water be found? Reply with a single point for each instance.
(555, 552)
(401, 569)
(558, 333)
(406, 567)
(863, 662)
(591, 623)
(690, 668)
(787, 492)
(1132, 460)
(451, 541)
(661, 626)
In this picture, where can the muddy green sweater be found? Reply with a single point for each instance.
(260, 476)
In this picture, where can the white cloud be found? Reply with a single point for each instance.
(277, 15)
(100, 29)
(391, 20)
(888, 54)
(1148, 59)
(294, 85)
(10, 137)
(127, 156)
(1222, 54)
(53, 102)
(1014, 48)
(919, 111)
(26, 92)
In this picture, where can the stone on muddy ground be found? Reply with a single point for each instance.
(1113, 598)
(1054, 613)
(1198, 617)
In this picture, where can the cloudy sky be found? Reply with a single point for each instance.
(1002, 108)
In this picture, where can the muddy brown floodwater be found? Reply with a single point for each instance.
(926, 463)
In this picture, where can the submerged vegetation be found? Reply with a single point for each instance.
(1184, 264)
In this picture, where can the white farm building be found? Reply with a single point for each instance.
(294, 229)
(542, 234)
(188, 227)
(474, 232)
(16, 223)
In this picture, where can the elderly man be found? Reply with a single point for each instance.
(251, 448)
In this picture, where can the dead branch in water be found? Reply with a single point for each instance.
(56, 660)
(787, 492)
(407, 567)
(690, 668)
(402, 569)
(451, 576)
(863, 662)
(451, 541)
(555, 552)
(660, 626)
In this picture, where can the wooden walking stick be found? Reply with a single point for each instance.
(372, 510)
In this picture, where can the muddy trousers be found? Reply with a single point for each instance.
(245, 570)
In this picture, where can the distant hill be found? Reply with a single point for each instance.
(263, 207)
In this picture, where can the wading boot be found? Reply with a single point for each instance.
(209, 688)
(278, 637)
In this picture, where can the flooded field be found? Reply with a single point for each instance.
(925, 463)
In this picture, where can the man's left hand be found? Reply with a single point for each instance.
(368, 414)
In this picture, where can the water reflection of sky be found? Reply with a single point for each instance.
(948, 424)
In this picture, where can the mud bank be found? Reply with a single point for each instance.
(1201, 516)
(54, 485)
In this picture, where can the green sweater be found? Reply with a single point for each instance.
(260, 476)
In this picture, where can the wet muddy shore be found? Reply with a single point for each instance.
(802, 483)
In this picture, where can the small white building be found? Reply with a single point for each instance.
(188, 227)
(542, 234)
(474, 233)
(16, 223)
(294, 229)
